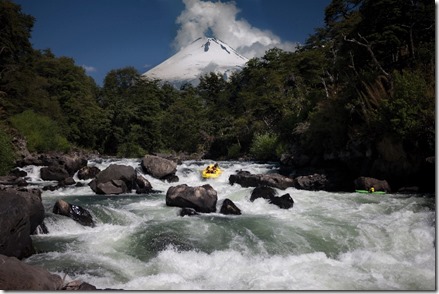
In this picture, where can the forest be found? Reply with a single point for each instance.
(363, 83)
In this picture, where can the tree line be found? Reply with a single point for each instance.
(365, 78)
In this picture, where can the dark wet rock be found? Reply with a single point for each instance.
(17, 275)
(314, 182)
(16, 172)
(202, 198)
(188, 211)
(13, 181)
(115, 179)
(113, 187)
(54, 173)
(71, 162)
(246, 179)
(67, 182)
(285, 201)
(21, 212)
(158, 167)
(88, 172)
(365, 183)
(75, 212)
(228, 207)
(171, 178)
(262, 192)
(143, 186)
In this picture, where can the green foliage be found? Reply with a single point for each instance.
(264, 146)
(409, 113)
(368, 73)
(7, 156)
(42, 134)
(233, 151)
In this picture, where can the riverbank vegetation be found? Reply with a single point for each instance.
(363, 83)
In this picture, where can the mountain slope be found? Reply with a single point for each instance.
(202, 56)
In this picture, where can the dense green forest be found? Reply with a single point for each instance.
(366, 80)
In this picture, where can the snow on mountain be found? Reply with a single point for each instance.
(202, 56)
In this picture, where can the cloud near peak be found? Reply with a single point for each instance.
(220, 19)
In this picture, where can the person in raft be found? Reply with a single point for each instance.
(371, 190)
(212, 169)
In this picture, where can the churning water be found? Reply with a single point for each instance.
(327, 241)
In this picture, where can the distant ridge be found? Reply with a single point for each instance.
(202, 56)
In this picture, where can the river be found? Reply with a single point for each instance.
(327, 241)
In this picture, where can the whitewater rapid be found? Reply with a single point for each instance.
(327, 241)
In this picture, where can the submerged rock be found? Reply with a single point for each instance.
(228, 207)
(285, 201)
(262, 192)
(75, 212)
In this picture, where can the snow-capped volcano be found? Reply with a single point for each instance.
(202, 56)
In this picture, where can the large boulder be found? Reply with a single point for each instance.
(246, 179)
(17, 275)
(115, 179)
(54, 173)
(202, 199)
(365, 183)
(75, 212)
(21, 212)
(158, 167)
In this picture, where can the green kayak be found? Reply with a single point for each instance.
(367, 192)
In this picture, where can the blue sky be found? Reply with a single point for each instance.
(102, 35)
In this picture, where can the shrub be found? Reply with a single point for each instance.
(233, 151)
(42, 134)
(7, 156)
(264, 146)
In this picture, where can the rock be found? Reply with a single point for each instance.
(143, 186)
(71, 163)
(285, 201)
(188, 211)
(15, 227)
(115, 187)
(314, 182)
(88, 172)
(263, 192)
(67, 182)
(17, 275)
(54, 173)
(13, 181)
(202, 199)
(18, 173)
(75, 212)
(158, 167)
(228, 207)
(365, 183)
(109, 181)
(246, 179)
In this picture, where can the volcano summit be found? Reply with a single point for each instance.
(202, 56)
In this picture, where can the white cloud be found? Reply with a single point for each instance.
(89, 69)
(220, 19)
